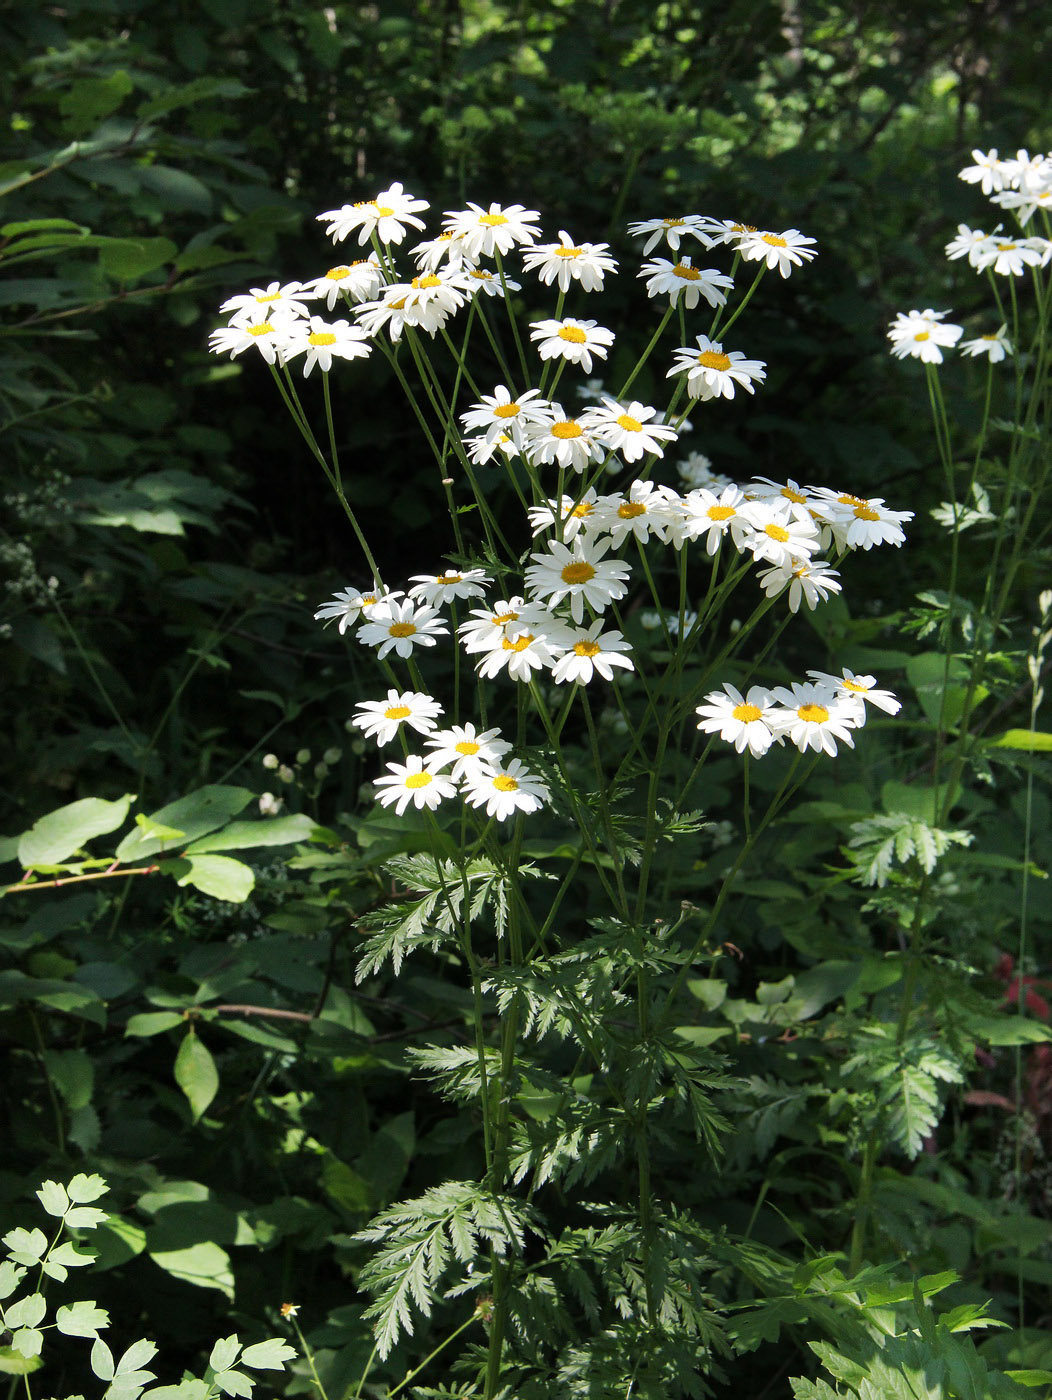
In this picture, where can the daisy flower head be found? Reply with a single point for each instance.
(563, 439)
(573, 340)
(1008, 257)
(646, 510)
(431, 291)
(382, 719)
(713, 516)
(391, 310)
(989, 172)
(321, 341)
(360, 280)
(445, 587)
(400, 627)
(729, 231)
(1026, 202)
(812, 717)
(633, 430)
(580, 574)
(783, 251)
(921, 335)
(712, 373)
(264, 303)
(672, 230)
(388, 216)
(488, 625)
(531, 644)
(413, 781)
(505, 789)
(589, 651)
(762, 488)
(860, 524)
(681, 279)
(995, 345)
(498, 229)
(577, 515)
(965, 243)
(479, 281)
(443, 248)
(567, 261)
(465, 748)
(270, 338)
(808, 581)
(746, 721)
(860, 691)
(350, 604)
(503, 412)
(781, 533)
(482, 449)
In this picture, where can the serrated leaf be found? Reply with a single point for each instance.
(196, 1074)
(270, 1355)
(28, 1246)
(58, 834)
(84, 1217)
(84, 1188)
(224, 1353)
(26, 1312)
(10, 1277)
(28, 1341)
(81, 1319)
(234, 1382)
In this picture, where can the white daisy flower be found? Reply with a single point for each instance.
(711, 372)
(810, 582)
(350, 604)
(762, 488)
(744, 721)
(479, 281)
(590, 650)
(443, 248)
(361, 281)
(1009, 257)
(505, 790)
(387, 216)
(563, 439)
(431, 291)
(566, 261)
(628, 430)
(671, 230)
(965, 243)
(921, 335)
(812, 717)
(441, 588)
(712, 516)
(1026, 203)
(573, 340)
(502, 413)
(862, 524)
(995, 345)
(413, 782)
(490, 624)
(391, 310)
(497, 229)
(523, 648)
(991, 173)
(647, 510)
(320, 341)
(728, 231)
(399, 627)
(782, 533)
(681, 279)
(382, 719)
(579, 573)
(783, 251)
(264, 303)
(860, 690)
(482, 449)
(465, 747)
(270, 338)
(577, 515)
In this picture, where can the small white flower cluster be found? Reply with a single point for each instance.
(812, 715)
(462, 759)
(1022, 184)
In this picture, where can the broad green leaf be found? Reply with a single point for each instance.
(84, 1217)
(199, 812)
(930, 677)
(116, 1241)
(82, 1319)
(14, 1363)
(28, 1341)
(87, 100)
(128, 259)
(139, 1354)
(925, 804)
(1033, 740)
(102, 1360)
(186, 94)
(221, 877)
(27, 1246)
(149, 828)
(196, 1074)
(1009, 1030)
(277, 831)
(234, 1383)
(39, 226)
(60, 833)
(73, 1075)
(205, 1265)
(270, 1355)
(1030, 1377)
(84, 1189)
(53, 1198)
(153, 1022)
(224, 1353)
(26, 1312)
(10, 1278)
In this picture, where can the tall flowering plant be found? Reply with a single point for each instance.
(553, 690)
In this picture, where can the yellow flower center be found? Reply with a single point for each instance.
(568, 428)
(401, 629)
(467, 748)
(866, 513)
(418, 780)
(672, 223)
(577, 573)
(1005, 247)
(568, 252)
(449, 578)
(321, 338)
(574, 334)
(587, 648)
(398, 305)
(429, 281)
(631, 510)
(688, 274)
(519, 643)
(337, 274)
(493, 220)
(481, 274)
(712, 359)
(397, 712)
(503, 782)
(848, 500)
(369, 600)
(990, 335)
(499, 619)
(384, 210)
(630, 424)
(922, 335)
(743, 228)
(774, 240)
(746, 714)
(720, 512)
(506, 410)
(581, 509)
(795, 496)
(777, 532)
(264, 328)
(813, 714)
(854, 685)
(273, 296)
